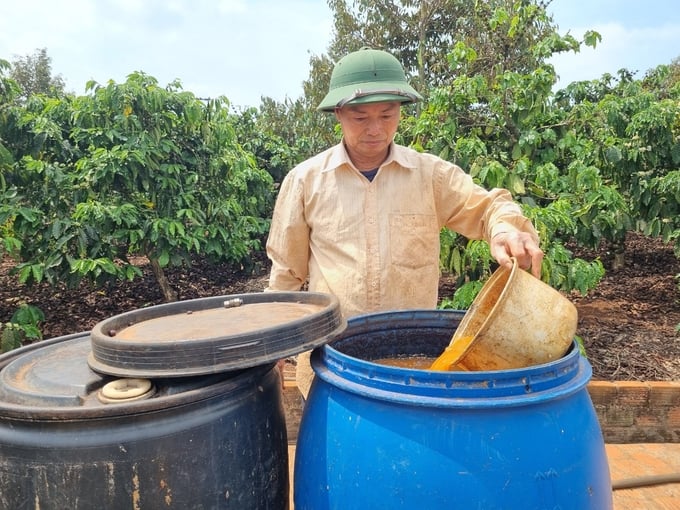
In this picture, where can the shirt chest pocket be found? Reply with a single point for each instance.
(414, 240)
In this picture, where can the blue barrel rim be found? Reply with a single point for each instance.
(480, 389)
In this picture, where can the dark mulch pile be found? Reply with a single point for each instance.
(628, 323)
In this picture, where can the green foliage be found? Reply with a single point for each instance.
(130, 169)
(583, 161)
(23, 326)
(470, 259)
(660, 205)
(136, 169)
(505, 133)
(423, 33)
(33, 74)
(589, 163)
(281, 135)
(563, 272)
(463, 296)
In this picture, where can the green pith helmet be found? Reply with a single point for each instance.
(367, 76)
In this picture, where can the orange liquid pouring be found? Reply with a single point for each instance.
(449, 358)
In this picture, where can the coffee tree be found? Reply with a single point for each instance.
(90, 183)
(130, 169)
(501, 127)
(636, 146)
(589, 163)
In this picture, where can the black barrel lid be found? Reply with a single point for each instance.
(216, 334)
(55, 374)
(52, 378)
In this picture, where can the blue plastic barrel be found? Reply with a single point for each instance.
(382, 437)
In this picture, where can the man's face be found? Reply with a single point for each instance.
(368, 129)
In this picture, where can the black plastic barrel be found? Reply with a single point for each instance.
(201, 443)
(377, 436)
(173, 406)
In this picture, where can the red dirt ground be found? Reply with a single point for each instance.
(628, 323)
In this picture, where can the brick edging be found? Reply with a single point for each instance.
(628, 411)
(637, 411)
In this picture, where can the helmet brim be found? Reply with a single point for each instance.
(370, 92)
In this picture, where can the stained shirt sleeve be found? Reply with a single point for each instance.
(473, 211)
(288, 241)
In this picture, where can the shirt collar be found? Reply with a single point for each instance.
(398, 154)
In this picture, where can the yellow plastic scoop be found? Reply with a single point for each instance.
(515, 321)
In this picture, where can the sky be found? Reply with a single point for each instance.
(636, 35)
(247, 49)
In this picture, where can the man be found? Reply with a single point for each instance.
(362, 219)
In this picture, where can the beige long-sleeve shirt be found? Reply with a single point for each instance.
(375, 245)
